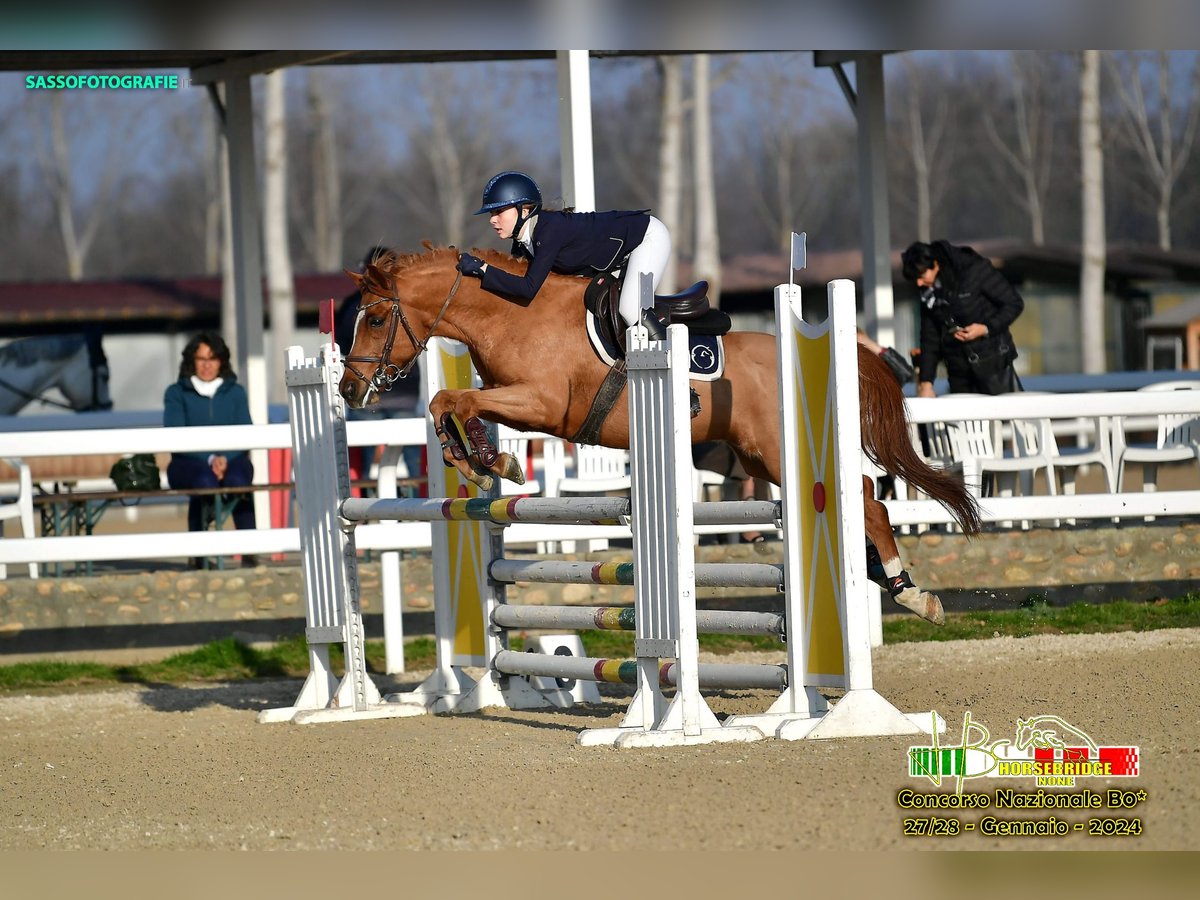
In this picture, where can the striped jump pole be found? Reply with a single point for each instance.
(624, 618)
(548, 510)
(756, 575)
(626, 671)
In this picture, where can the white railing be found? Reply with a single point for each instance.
(1132, 410)
(1060, 408)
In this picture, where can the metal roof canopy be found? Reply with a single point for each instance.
(234, 68)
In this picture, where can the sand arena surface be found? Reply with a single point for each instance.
(189, 768)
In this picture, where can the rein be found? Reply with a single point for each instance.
(388, 373)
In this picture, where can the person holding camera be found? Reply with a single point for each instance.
(967, 307)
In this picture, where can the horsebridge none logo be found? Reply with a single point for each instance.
(1045, 747)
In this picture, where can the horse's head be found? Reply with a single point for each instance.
(73, 363)
(397, 314)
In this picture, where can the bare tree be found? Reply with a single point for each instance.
(924, 142)
(1029, 153)
(457, 147)
(670, 158)
(76, 231)
(1149, 125)
(280, 288)
(1091, 276)
(326, 181)
(706, 261)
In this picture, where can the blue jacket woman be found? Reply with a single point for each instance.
(567, 242)
(207, 393)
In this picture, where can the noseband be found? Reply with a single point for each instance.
(388, 373)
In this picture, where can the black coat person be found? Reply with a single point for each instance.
(967, 307)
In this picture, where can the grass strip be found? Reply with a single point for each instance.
(229, 660)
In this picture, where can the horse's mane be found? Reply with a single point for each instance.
(394, 262)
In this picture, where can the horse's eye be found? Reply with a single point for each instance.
(376, 321)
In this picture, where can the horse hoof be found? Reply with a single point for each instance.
(483, 480)
(511, 469)
(923, 603)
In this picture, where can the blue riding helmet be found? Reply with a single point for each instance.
(510, 189)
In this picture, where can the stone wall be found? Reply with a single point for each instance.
(996, 569)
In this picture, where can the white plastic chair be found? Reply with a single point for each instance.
(1178, 440)
(597, 470)
(519, 447)
(974, 444)
(20, 507)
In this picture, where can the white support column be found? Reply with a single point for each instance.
(246, 238)
(872, 177)
(575, 130)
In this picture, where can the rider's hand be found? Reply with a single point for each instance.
(925, 389)
(471, 265)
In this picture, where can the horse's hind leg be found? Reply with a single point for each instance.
(893, 577)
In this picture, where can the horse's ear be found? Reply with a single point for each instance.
(427, 244)
(380, 281)
(355, 277)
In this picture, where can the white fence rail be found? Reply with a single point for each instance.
(1060, 408)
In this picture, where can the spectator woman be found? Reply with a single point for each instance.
(208, 393)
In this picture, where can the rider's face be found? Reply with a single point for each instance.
(503, 222)
(929, 276)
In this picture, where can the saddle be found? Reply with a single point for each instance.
(602, 299)
(606, 333)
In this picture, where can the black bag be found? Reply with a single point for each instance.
(136, 473)
(898, 364)
(991, 367)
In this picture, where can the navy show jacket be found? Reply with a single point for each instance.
(572, 244)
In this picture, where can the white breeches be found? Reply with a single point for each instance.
(650, 256)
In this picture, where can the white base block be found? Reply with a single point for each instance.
(623, 738)
(322, 701)
(858, 714)
(350, 714)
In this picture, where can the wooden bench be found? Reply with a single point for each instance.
(78, 512)
(70, 512)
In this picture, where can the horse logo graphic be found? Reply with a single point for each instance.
(1042, 733)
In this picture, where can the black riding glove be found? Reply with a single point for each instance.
(470, 265)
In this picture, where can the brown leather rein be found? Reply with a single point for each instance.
(388, 373)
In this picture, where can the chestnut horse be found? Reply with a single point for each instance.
(540, 374)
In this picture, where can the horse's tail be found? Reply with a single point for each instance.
(886, 441)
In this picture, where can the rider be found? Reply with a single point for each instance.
(568, 242)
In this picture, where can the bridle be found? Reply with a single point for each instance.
(388, 373)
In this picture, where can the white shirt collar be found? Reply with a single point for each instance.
(526, 235)
(207, 388)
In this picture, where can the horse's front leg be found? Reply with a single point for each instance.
(458, 418)
(883, 561)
